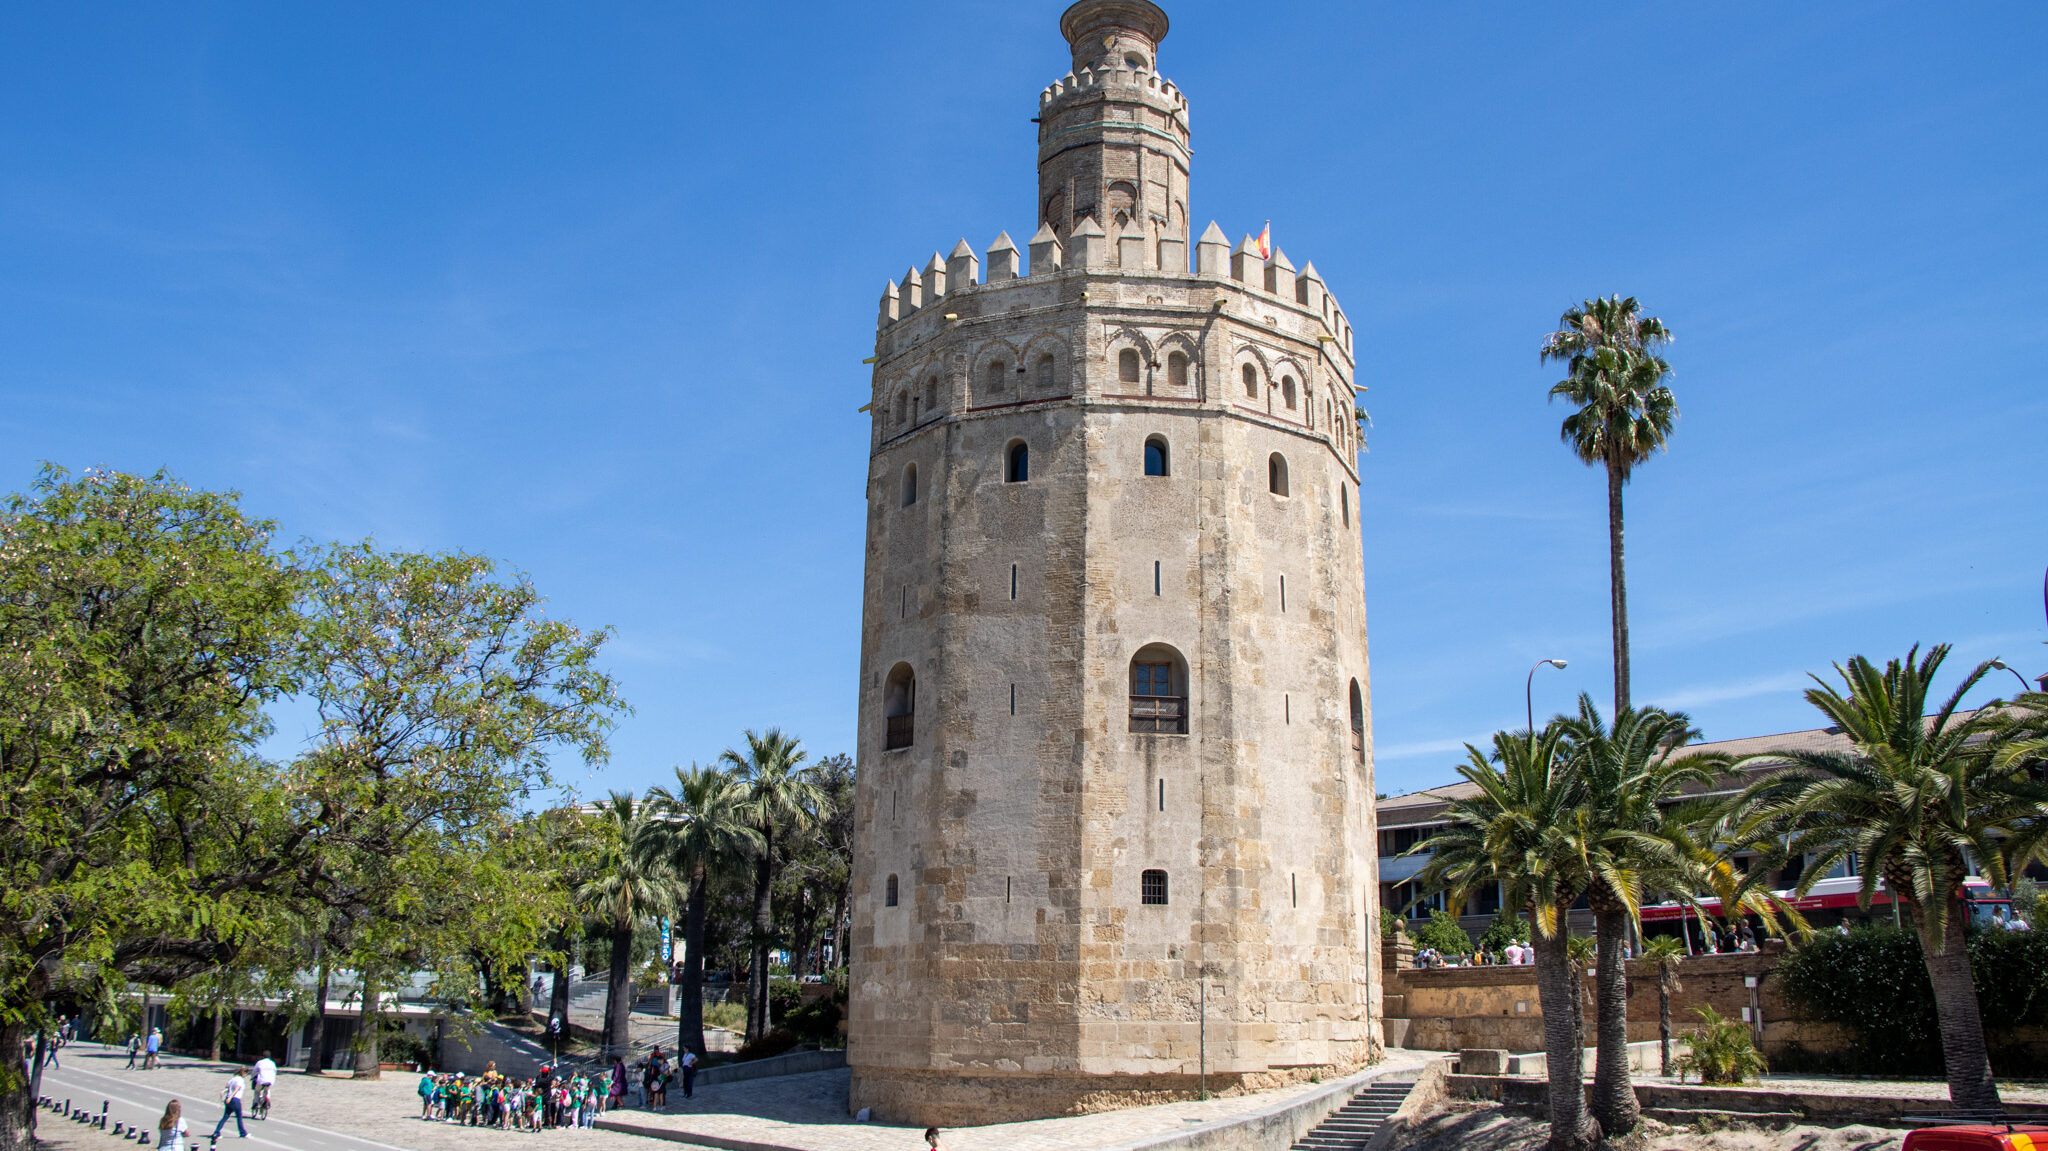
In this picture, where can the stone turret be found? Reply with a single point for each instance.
(1115, 754)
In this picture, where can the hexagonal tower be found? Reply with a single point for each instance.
(1115, 790)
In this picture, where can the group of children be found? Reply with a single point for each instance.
(551, 1099)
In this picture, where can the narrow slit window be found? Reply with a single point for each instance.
(1152, 888)
(1162, 795)
(1006, 888)
(909, 485)
(1155, 577)
(1286, 709)
(1013, 581)
(1283, 593)
(1013, 699)
(889, 892)
(1344, 502)
(1294, 887)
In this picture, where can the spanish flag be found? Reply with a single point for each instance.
(1266, 242)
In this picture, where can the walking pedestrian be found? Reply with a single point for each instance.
(170, 1130)
(231, 1104)
(689, 1074)
(134, 1048)
(150, 1049)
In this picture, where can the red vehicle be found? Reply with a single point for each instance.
(1979, 1137)
(1832, 899)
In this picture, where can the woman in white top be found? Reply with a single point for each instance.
(170, 1130)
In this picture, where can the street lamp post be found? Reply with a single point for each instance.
(2004, 666)
(1529, 691)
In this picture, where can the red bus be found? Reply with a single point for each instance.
(1833, 900)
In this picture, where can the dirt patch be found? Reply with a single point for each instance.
(1490, 1127)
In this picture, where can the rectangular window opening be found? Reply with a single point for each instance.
(1013, 699)
(1162, 795)
(1013, 581)
(1155, 577)
(1286, 709)
(1294, 885)
(1283, 593)
(1006, 889)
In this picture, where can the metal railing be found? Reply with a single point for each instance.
(1160, 713)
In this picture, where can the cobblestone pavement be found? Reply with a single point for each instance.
(309, 1113)
(808, 1113)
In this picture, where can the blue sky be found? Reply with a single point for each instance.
(587, 287)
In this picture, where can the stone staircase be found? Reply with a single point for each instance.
(1353, 1125)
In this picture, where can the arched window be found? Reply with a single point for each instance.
(1127, 366)
(1017, 464)
(931, 395)
(1287, 391)
(1152, 887)
(996, 373)
(1045, 372)
(899, 707)
(1155, 456)
(1276, 474)
(1357, 722)
(1176, 370)
(1251, 382)
(909, 484)
(1344, 502)
(1159, 690)
(889, 892)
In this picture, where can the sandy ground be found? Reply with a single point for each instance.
(1487, 1127)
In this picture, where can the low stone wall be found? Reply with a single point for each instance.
(795, 1063)
(1819, 1108)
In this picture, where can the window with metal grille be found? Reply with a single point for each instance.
(1152, 888)
(1158, 694)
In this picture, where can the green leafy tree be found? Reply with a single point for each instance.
(1443, 933)
(443, 693)
(1506, 928)
(1917, 797)
(142, 629)
(635, 879)
(1625, 413)
(1664, 953)
(1525, 831)
(704, 835)
(781, 800)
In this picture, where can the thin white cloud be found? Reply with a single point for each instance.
(1706, 693)
(1427, 747)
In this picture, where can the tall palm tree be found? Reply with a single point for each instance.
(633, 881)
(1625, 413)
(1914, 802)
(1525, 831)
(1632, 778)
(704, 834)
(1664, 954)
(780, 797)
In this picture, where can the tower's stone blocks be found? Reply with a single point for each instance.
(1115, 790)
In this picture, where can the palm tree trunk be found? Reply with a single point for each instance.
(618, 999)
(764, 928)
(1614, 1095)
(1663, 1026)
(1557, 988)
(558, 995)
(690, 1012)
(1618, 581)
(1955, 1004)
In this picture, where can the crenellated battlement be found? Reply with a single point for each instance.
(1090, 80)
(1272, 279)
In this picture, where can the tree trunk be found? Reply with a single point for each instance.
(316, 1062)
(1557, 988)
(366, 1030)
(1955, 1003)
(1614, 1095)
(764, 930)
(213, 1052)
(690, 1012)
(17, 1097)
(1618, 582)
(618, 1000)
(558, 995)
(802, 937)
(1663, 1026)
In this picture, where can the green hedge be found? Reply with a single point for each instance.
(1874, 981)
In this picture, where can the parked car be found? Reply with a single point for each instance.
(1979, 1137)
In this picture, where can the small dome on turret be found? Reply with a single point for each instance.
(1114, 34)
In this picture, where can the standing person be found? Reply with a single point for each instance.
(231, 1104)
(134, 1049)
(265, 1075)
(618, 1091)
(170, 1130)
(689, 1063)
(657, 1079)
(931, 1139)
(151, 1047)
(426, 1090)
(544, 1086)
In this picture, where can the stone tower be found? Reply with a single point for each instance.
(1115, 789)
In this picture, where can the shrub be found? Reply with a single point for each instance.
(1504, 929)
(731, 1016)
(1874, 981)
(1443, 933)
(1722, 1051)
(784, 994)
(1389, 922)
(776, 1042)
(814, 1020)
(404, 1047)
